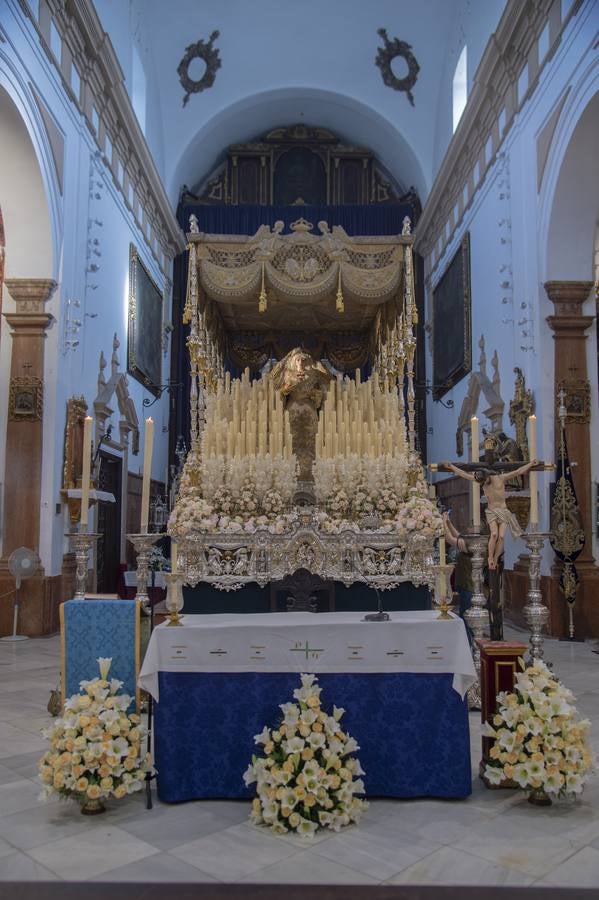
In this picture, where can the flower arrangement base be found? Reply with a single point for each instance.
(538, 797)
(92, 807)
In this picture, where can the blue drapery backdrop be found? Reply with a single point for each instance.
(373, 219)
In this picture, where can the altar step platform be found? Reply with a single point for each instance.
(219, 679)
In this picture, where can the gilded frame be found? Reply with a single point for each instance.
(73, 441)
(144, 334)
(26, 398)
(452, 322)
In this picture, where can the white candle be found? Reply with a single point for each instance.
(474, 456)
(533, 476)
(173, 557)
(86, 470)
(147, 475)
(441, 551)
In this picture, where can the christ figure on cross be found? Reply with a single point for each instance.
(497, 514)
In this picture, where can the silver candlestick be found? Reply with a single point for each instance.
(477, 616)
(143, 544)
(535, 611)
(442, 592)
(82, 541)
(174, 597)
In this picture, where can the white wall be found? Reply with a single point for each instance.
(311, 62)
(62, 232)
(566, 205)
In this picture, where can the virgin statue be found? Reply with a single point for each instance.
(302, 381)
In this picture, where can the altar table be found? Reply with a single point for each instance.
(219, 679)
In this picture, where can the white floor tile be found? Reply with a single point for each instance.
(160, 867)
(236, 852)
(451, 866)
(309, 868)
(20, 867)
(91, 852)
(580, 870)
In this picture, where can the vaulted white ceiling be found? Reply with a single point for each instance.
(284, 62)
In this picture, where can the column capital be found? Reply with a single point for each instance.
(30, 294)
(568, 296)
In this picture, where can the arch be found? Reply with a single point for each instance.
(28, 186)
(353, 121)
(570, 189)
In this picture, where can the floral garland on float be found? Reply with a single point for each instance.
(541, 744)
(96, 746)
(306, 778)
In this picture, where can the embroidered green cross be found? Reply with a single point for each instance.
(307, 649)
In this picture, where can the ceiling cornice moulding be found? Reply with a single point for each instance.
(104, 103)
(510, 49)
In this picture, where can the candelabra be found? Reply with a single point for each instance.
(535, 611)
(477, 616)
(174, 597)
(143, 544)
(82, 541)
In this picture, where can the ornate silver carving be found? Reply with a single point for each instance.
(230, 561)
(477, 617)
(82, 541)
(535, 611)
(143, 544)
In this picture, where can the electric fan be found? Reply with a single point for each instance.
(22, 563)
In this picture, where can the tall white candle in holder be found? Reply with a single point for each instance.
(147, 475)
(86, 470)
(474, 457)
(533, 476)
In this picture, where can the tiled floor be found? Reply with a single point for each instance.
(493, 837)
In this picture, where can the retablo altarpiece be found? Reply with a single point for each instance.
(308, 459)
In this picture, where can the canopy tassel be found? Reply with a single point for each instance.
(263, 298)
(339, 304)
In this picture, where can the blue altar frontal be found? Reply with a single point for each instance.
(412, 726)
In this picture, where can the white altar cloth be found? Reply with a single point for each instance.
(412, 641)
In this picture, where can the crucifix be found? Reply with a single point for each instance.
(491, 476)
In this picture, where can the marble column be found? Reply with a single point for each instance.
(570, 326)
(24, 430)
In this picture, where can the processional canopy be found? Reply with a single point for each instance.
(321, 306)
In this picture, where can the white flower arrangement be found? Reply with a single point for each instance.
(418, 517)
(540, 743)
(306, 778)
(223, 494)
(371, 485)
(377, 487)
(96, 746)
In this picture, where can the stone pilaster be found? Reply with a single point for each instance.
(24, 430)
(570, 327)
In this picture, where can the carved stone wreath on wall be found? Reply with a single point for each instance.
(205, 51)
(385, 57)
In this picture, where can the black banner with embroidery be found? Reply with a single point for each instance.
(568, 535)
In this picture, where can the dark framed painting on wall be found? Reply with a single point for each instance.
(452, 326)
(144, 335)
